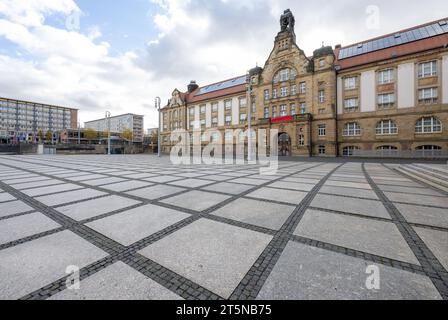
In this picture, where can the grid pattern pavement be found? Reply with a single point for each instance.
(138, 227)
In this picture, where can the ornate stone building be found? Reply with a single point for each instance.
(381, 95)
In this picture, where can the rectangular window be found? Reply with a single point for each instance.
(243, 103)
(322, 150)
(283, 110)
(322, 130)
(321, 96)
(274, 112)
(386, 76)
(386, 100)
(428, 95)
(215, 122)
(274, 94)
(228, 104)
(302, 87)
(266, 113)
(293, 110)
(302, 107)
(243, 118)
(203, 123)
(284, 92)
(301, 140)
(293, 90)
(191, 124)
(214, 107)
(351, 104)
(228, 120)
(266, 94)
(202, 108)
(427, 69)
(350, 83)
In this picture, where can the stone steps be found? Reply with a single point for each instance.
(432, 175)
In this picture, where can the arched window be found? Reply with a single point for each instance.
(428, 125)
(428, 148)
(352, 129)
(349, 151)
(386, 127)
(285, 74)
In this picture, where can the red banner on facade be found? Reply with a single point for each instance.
(282, 119)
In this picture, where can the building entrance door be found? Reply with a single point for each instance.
(284, 145)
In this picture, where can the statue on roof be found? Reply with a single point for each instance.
(287, 21)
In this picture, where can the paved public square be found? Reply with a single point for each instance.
(138, 227)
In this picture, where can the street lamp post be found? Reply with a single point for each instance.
(159, 145)
(249, 114)
(79, 133)
(108, 131)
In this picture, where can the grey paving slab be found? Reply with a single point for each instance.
(6, 197)
(117, 282)
(25, 180)
(92, 208)
(99, 182)
(196, 200)
(51, 189)
(292, 186)
(25, 226)
(33, 265)
(214, 255)
(133, 225)
(155, 192)
(13, 207)
(347, 184)
(423, 191)
(268, 215)
(190, 175)
(309, 273)
(357, 206)
(192, 183)
(29, 185)
(287, 196)
(418, 199)
(217, 178)
(396, 183)
(86, 177)
(162, 179)
(361, 234)
(437, 242)
(70, 196)
(255, 182)
(302, 180)
(350, 192)
(228, 187)
(126, 186)
(139, 176)
(437, 217)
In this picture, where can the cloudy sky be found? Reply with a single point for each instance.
(98, 55)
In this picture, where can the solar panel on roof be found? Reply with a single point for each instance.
(222, 85)
(424, 32)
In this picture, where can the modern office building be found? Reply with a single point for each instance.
(119, 124)
(25, 120)
(380, 95)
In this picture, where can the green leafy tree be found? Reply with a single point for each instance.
(90, 134)
(127, 135)
(49, 136)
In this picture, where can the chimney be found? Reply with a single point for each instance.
(192, 86)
